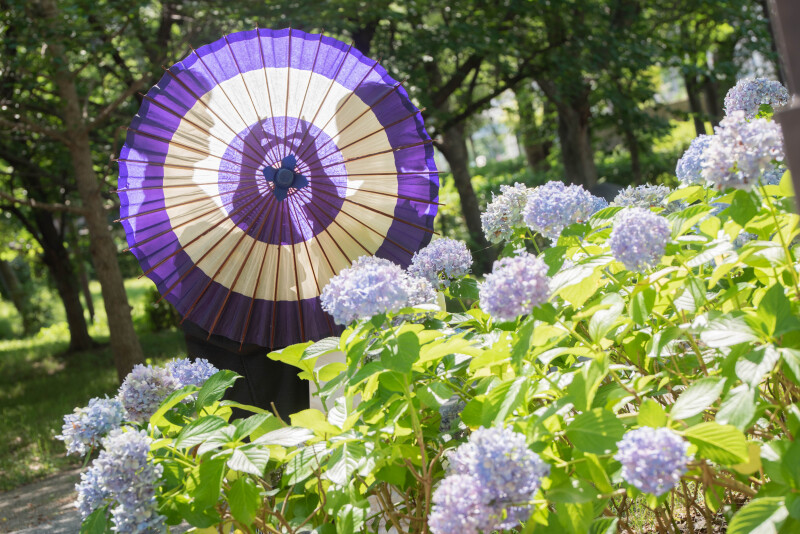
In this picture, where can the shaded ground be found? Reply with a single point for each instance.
(45, 506)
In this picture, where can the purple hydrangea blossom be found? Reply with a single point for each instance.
(143, 390)
(508, 473)
(504, 212)
(553, 206)
(741, 151)
(460, 507)
(749, 94)
(371, 286)
(123, 477)
(191, 373)
(639, 238)
(514, 287)
(441, 261)
(85, 427)
(690, 167)
(653, 459)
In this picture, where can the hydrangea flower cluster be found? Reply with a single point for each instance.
(690, 167)
(143, 390)
(653, 459)
(85, 427)
(450, 411)
(496, 476)
(191, 373)
(504, 212)
(553, 206)
(639, 238)
(123, 476)
(514, 287)
(749, 94)
(741, 151)
(441, 261)
(371, 286)
(642, 196)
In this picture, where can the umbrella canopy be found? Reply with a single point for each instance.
(262, 165)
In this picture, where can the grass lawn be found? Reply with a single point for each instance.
(39, 384)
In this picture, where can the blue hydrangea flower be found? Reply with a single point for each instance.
(643, 196)
(85, 427)
(653, 459)
(773, 176)
(741, 151)
(553, 206)
(504, 212)
(123, 477)
(508, 473)
(441, 261)
(749, 94)
(191, 373)
(371, 286)
(450, 412)
(690, 167)
(515, 286)
(143, 390)
(639, 238)
(460, 507)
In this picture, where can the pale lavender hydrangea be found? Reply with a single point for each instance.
(143, 390)
(553, 206)
(643, 196)
(749, 94)
(85, 427)
(123, 477)
(639, 238)
(371, 286)
(690, 167)
(504, 212)
(653, 459)
(460, 507)
(505, 469)
(741, 151)
(191, 373)
(441, 261)
(515, 286)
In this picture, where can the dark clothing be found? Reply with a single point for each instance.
(264, 381)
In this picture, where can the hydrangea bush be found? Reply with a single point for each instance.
(641, 373)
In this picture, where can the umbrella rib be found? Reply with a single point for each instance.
(172, 228)
(185, 167)
(308, 85)
(338, 109)
(286, 102)
(342, 228)
(205, 131)
(187, 184)
(267, 155)
(310, 204)
(296, 276)
(390, 150)
(371, 174)
(325, 97)
(195, 264)
(241, 267)
(266, 83)
(156, 210)
(187, 147)
(403, 197)
(277, 276)
(182, 247)
(346, 126)
(225, 261)
(203, 103)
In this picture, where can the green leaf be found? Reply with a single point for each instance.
(642, 304)
(584, 386)
(572, 490)
(744, 206)
(596, 431)
(206, 482)
(603, 320)
(604, 525)
(775, 312)
(402, 355)
(214, 388)
(554, 258)
(434, 394)
(464, 288)
(344, 462)
(727, 331)
(244, 499)
(522, 342)
(723, 444)
(289, 436)
(170, 402)
(511, 397)
(198, 431)
(314, 420)
(682, 221)
(350, 518)
(320, 348)
(245, 427)
(738, 408)
(576, 518)
(760, 516)
(293, 355)
(97, 522)
(651, 414)
(756, 364)
(251, 458)
(697, 398)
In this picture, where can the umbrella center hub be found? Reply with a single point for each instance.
(284, 178)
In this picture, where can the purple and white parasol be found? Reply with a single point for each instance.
(259, 167)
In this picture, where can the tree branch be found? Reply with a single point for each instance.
(42, 205)
(472, 63)
(31, 127)
(106, 113)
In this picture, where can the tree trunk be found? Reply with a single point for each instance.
(79, 261)
(713, 104)
(633, 149)
(454, 149)
(533, 146)
(124, 344)
(12, 287)
(695, 106)
(576, 144)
